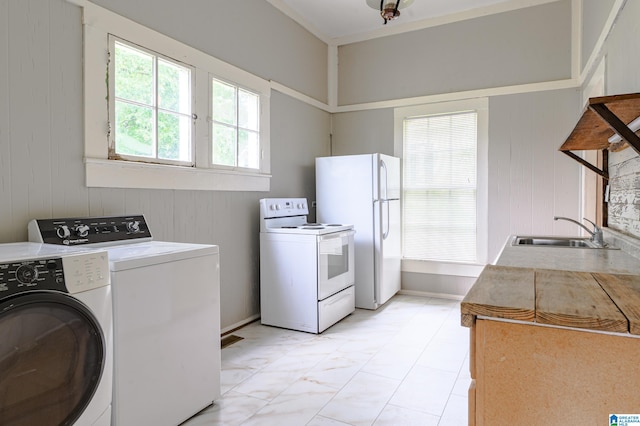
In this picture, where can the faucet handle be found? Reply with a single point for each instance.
(596, 228)
(597, 236)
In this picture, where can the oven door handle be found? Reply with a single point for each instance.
(333, 235)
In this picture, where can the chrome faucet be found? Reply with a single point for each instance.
(596, 235)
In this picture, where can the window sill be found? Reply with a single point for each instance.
(442, 268)
(125, 174)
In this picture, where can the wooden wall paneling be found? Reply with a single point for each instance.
(161, 213)
(236, 230)
(500, 186)
(70, 196)
(207, 216)
(106, 202)
(196, 215)
(566, 172)
(544, 168)
(138, 201)
(157, 207)
(6, 230)
(521, 173)
(186, 227)
(29, 67)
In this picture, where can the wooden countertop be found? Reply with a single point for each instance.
(577, 299)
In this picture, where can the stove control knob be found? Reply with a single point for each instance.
(63, 232)
(26, 274)
(133, 227)
(82, 230)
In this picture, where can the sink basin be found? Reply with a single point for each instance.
(573, 242)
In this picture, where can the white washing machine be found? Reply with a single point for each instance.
(56, 353)
(166, 307)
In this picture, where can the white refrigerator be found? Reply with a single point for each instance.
(364, 190)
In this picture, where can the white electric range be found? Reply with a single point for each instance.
(306, 269)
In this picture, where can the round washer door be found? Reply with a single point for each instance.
(52, 354)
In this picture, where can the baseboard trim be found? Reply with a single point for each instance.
(239, 324)
(430, 294)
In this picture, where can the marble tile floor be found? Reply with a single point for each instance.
(403, 364)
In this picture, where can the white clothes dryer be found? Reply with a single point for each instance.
(166, 304)
(56, 352)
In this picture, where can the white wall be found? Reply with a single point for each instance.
(41, 131)
(250, 34)
(518, 47)
(363, 132)
(530, 181)
(594, 16)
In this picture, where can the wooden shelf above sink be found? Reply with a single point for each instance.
(603, 117)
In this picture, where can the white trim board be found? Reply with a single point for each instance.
(430, 99)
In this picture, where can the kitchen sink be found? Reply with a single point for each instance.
(572, 242)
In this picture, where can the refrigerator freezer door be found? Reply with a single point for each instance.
(389, 177)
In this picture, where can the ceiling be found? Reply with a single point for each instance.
(352, 20)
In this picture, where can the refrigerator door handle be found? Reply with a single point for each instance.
(383, 166)
(385, 233)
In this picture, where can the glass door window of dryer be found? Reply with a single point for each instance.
(51, 359)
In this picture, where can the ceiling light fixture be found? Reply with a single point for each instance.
(389, 9)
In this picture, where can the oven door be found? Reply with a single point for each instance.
(335, 263)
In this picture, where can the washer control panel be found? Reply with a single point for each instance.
(93, 230)
(71, 273)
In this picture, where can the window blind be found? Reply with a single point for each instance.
(439, 187)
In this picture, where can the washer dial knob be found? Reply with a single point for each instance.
(133, 226)
(82, 230)
(26, 274)
(63, 232)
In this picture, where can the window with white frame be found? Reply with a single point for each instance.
(169, 116)
(444, 181)
(152, 107)
(235, 128)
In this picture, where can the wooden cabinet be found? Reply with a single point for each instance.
(552, 347)
(527, 374)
